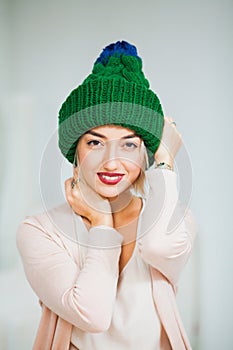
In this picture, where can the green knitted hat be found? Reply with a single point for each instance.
(116, 92)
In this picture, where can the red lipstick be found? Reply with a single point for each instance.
(110, 178)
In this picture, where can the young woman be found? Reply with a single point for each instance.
(104, 264)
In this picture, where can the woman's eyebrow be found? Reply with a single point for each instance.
(131, 136)
(94, 133)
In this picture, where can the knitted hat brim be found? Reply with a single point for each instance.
(145, 122)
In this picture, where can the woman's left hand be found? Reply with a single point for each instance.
(170, 144)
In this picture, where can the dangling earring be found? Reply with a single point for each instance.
(74, 182)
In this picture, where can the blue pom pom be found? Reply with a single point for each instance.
(117, 49)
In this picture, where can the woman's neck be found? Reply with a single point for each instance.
(125, 207)
(121, 202)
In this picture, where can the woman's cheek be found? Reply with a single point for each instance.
(134, 162)
(89, 166)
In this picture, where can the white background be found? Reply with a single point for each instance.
(47, 49)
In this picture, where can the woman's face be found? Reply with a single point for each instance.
(110, 159)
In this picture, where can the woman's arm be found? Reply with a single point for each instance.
(85, 297)
(168, 228)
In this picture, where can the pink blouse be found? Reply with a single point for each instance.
(84, 296)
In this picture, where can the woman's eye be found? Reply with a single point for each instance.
(130, 145)
(94, 143)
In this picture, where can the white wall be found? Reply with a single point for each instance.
(48, 47)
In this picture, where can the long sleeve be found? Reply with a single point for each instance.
(85, 297)
(168, 228)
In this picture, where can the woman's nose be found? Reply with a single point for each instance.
(111, 159)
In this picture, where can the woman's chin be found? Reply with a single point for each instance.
(111, 192)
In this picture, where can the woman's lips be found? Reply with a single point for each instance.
(110, 178)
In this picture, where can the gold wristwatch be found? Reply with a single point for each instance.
(163, 165)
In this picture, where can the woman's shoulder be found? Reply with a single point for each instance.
(53, 222)
(47, 232)
(45, 216)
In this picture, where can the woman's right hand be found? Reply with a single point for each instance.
(87, 203)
